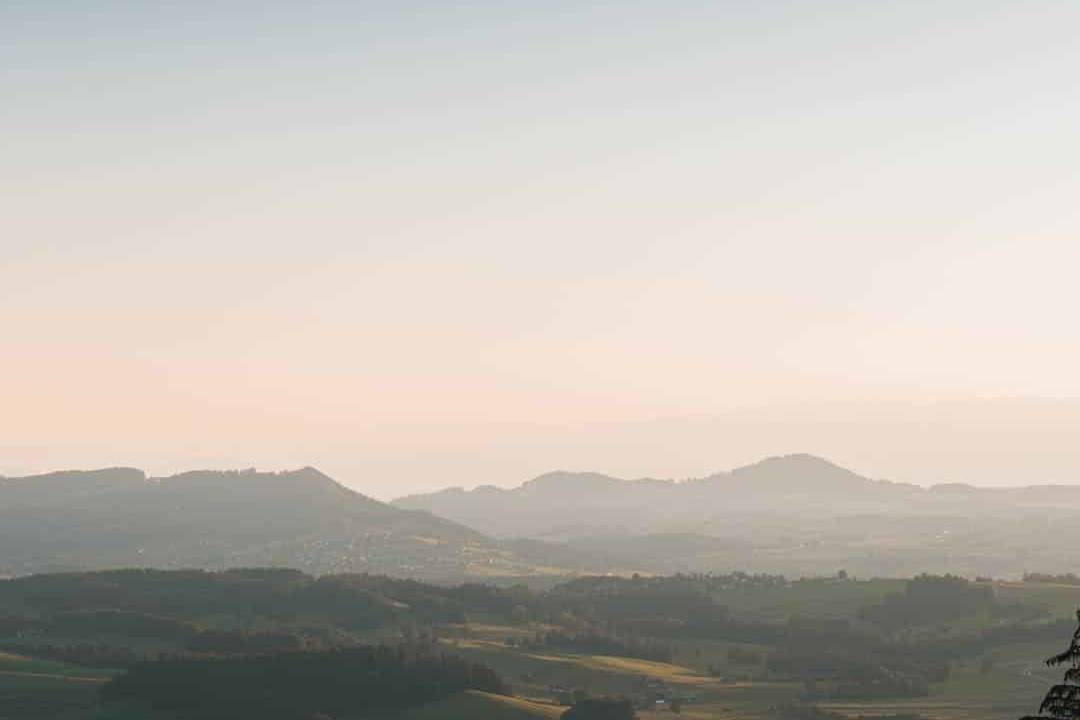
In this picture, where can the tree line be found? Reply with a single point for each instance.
(349, 682)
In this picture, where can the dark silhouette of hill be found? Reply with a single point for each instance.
(301, 519)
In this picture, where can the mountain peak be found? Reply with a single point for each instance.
(799, 470)
(562, 480)
(299, 518)
(798, 461)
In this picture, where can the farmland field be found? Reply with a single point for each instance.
(32, 688)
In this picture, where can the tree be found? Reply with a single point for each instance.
(1062, 702)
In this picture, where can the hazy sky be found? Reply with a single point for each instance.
(428, 243)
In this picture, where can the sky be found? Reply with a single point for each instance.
(420, 244)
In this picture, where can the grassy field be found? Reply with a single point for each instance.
(831, 598)
(534, 673)
(668, 672)
(1012, 688)
(32, 689)
(474, 705)
(1061, 600)
(818, 597)
(13, 664)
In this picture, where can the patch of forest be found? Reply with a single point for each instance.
(350, 682)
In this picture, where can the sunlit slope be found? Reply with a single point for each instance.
(473, 705)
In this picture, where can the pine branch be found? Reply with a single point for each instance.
(1062, 701)
(1073, 653)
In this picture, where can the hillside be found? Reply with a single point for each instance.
(592, 502)
(796, 515)
(793, 514)
(301, 519)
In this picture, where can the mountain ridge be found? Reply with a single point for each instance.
(794, 483)
(303, 518)
(780, 462)
(793, 514)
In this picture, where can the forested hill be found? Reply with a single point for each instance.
(301, 519)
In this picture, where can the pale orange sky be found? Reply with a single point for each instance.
(418, 247)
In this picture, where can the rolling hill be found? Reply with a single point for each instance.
(794, 514)
(302, 519)
(560, 503)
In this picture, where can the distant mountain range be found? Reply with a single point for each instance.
(561, 504)
(302, 519)
(796, 514)
(793, 514)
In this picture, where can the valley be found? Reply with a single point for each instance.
(733, 646)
